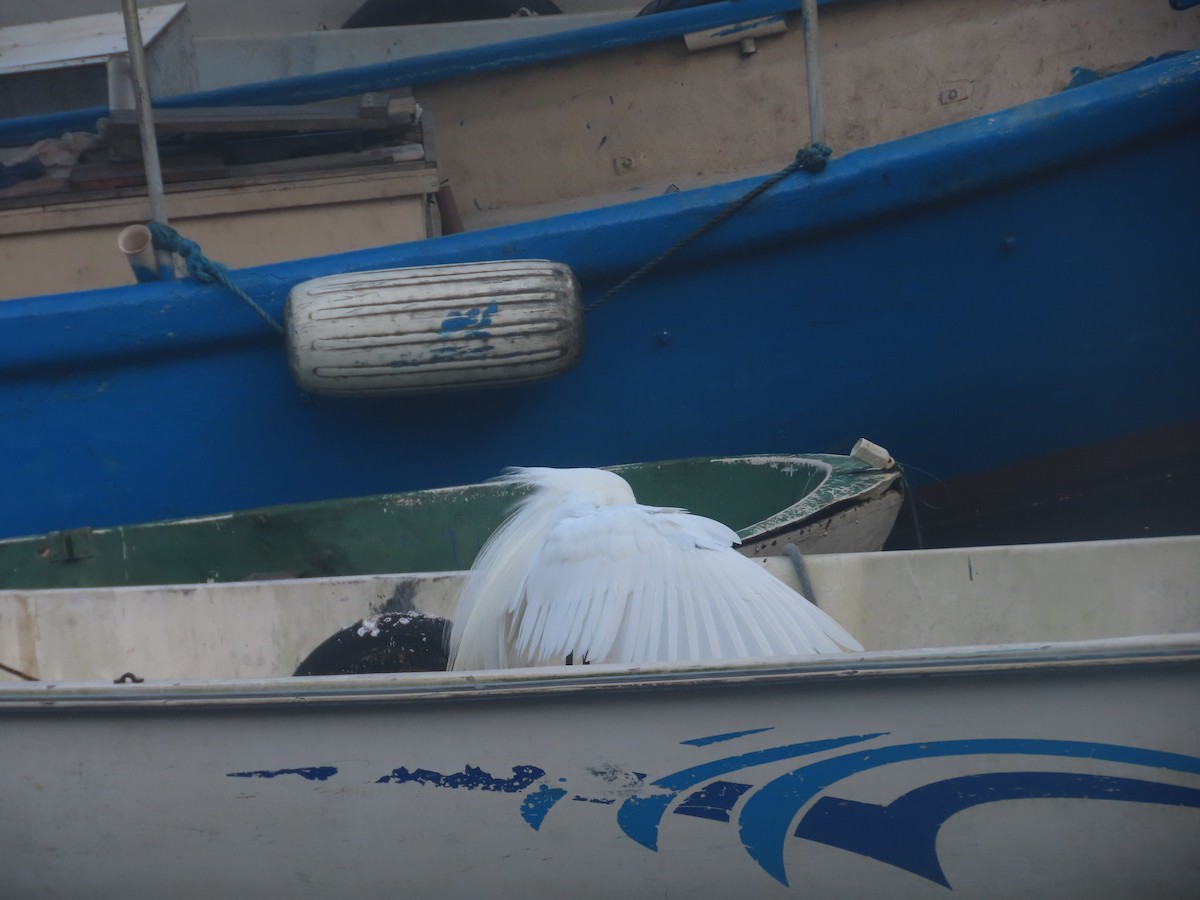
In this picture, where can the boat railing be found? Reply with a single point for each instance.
(425, 69)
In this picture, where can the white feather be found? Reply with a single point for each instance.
(581, 570)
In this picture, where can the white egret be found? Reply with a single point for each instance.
(580, 570)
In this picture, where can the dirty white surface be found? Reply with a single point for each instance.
(891, 601)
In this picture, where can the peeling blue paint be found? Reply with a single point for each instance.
(472, 778)
(535, 806)
(308, 773)
(713, 801)
(459, 321)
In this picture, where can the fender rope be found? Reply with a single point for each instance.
(203, 269)
(814, 158)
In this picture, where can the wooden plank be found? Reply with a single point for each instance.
(69, 210)
(375, 103)
(402, 109)
(250, 119)
(92, 176)
(100, 176)
(332, 162)
(31, 191)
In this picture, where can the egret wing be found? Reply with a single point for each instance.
(637, 584)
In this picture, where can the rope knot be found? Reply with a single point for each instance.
(198, 265)
(814, 157)
(201, 268)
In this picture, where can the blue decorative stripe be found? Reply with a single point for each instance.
(767, 815)
(686, 778)
(713, 801)
(904, 833)
(639, 817)
(716, 738)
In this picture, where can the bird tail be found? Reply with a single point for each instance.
(477, 638)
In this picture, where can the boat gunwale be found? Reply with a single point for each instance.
(555, 681)
(841, 482)
(428, 68)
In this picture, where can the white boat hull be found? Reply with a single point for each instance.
(1062, 768)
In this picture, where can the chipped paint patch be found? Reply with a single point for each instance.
(308, 773)
(472, 778)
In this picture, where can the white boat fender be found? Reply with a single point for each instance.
(427, 329)
(872, 454)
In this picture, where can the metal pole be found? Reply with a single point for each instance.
(141, 98)
(812, 69)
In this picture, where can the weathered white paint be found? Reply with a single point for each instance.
(891, 601)
(242, 57)
(625, 124)
(222, 18)
(865, 526)
(434, 328)
(52, 66)
(532, 783)
(211, 17)
(77, 41)
(145, 790)
(736, 33)
(616, 126)
(277, 219)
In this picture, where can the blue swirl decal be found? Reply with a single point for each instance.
(639, 817)
(767, 815)
(902, 833)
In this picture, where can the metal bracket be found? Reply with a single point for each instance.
(68, 546)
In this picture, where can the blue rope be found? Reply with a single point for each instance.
(201, 268)
(814, 158)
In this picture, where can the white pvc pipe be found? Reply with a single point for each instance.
(120, 82)
(141, 96)
(812, 70)
(138, 246)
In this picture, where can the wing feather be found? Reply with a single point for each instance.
(636, 584)
(761, 625)
(774, 603)
(582, 570)
(816, 627)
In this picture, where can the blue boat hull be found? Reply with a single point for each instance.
(971, 297)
